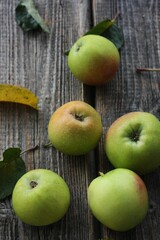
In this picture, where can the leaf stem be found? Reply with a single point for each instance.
(116, 16)
(148, 69)
(30, 149)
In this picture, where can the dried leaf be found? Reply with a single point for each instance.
(17, 94)
(28, 17)
(12, 167)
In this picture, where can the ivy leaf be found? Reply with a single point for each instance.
(12, 167)
(18, 94)
(28, 17)
(108, 29)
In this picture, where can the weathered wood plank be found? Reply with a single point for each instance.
(37, 61)
(130, 91)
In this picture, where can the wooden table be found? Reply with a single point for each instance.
(37, 61)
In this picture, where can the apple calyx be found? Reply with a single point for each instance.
(33, 184)
(135, 135)
(78, 116)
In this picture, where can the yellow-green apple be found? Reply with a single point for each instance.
(133, 142)
(40, 197)
(93, 59)
(118, 199)
(75, 128)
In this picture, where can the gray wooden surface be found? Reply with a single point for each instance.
(37, 61)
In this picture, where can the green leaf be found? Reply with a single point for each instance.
(28, 17)
(12, 167)
(100, 28)
(108, 29)
(115, 35)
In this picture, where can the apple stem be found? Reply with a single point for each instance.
(30, 149)
(101, 174)
(148, 69)
(47, 145)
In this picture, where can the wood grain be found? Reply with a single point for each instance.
(130, 91)
(37, 61)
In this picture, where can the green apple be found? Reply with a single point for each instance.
(75, 128)
(93, 59)
(133, 142)
(118, 199)
(40, 197)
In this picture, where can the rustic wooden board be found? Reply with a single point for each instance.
(130, 91)
(37, 61)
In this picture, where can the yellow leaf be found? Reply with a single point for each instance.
(18, 94)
